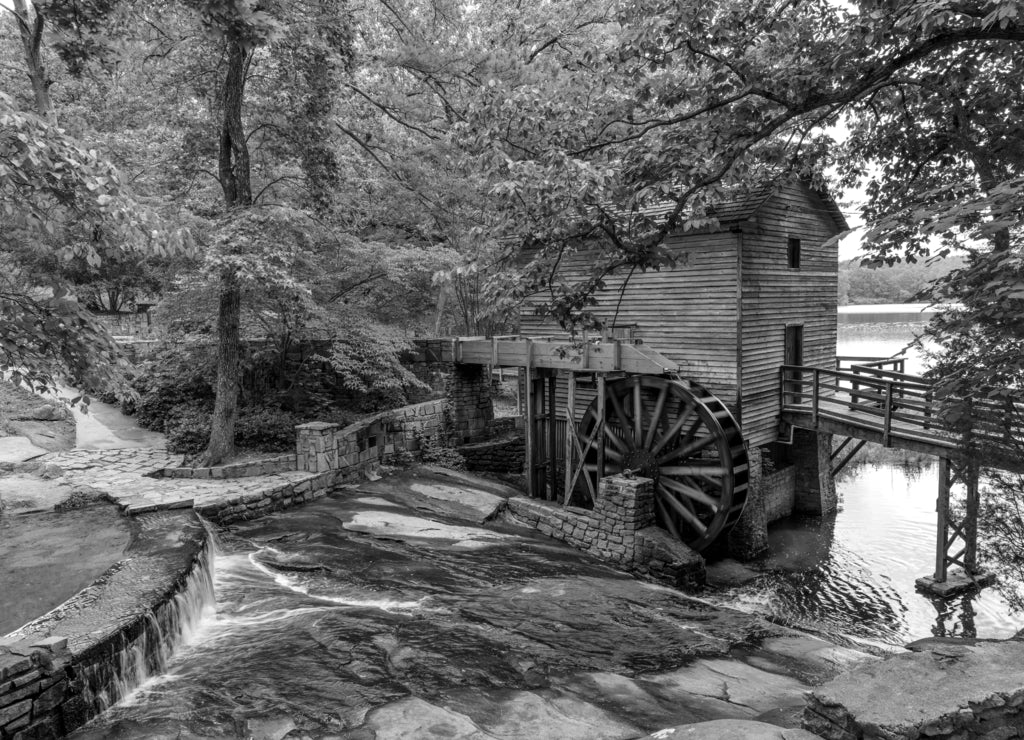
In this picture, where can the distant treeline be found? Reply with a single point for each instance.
(901, 283)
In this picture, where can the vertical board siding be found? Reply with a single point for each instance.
(775, 295)
(692, 314)
(687, 312)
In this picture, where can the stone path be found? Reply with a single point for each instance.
(120, 474)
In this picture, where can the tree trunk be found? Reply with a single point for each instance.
(225, 410)
(31, 31)
(233, 165)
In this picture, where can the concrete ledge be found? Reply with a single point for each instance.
(70, 664)
(957, 583)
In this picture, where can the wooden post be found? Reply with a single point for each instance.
(942, 509)
(600, 427)
(814, 397)
(970, 523)
(552, 438)
(570, 425)
(888, 414)
(531, 460)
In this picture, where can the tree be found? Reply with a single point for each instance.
(66, 202)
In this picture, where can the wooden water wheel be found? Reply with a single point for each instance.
(680, 436)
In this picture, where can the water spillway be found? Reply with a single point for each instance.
(92, 651)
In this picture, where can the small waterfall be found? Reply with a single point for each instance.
(144, 648)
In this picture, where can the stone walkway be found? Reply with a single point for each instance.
(120, 475)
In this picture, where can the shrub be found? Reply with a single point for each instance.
(188, 429)
(266, 429)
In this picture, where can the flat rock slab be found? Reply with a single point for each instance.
(18, 449)
(461, 496)
(730, 729)
(946, 690)
(396, 526)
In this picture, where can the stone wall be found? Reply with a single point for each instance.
(506, 455)
(266, 466)
(619, 530)
(65, 667)
(779, 490)
(329, 448)
(468, 392)
(35, 683)
(252, 504)
(815, 487)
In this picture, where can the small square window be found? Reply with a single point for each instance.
(793, 252)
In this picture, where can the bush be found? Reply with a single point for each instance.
(188, 429)
(259, 429)
(266, 429)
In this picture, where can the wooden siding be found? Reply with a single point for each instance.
(688, 313)
(775, 295)
(722, 312)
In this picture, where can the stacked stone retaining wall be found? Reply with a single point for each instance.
(343, 452)
(266, 466)
(619, 530)
(62, 669)
(505, 455)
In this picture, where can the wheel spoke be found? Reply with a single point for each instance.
(674, 429)
(619, 412)
(667, 517)
(614, 438)
(694, 445)
(694, 494)
(685, 513)
(659, 409)
(638, 415)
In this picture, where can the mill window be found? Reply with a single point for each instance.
(793, 253)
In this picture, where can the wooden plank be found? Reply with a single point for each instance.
(570, 436)
(552, 419)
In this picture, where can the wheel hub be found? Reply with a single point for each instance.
(642, 463)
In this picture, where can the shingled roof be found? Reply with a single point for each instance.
(746, 205)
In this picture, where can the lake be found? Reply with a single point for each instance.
(852, 576)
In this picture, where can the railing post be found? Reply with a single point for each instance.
(814, 397)
(888, 413)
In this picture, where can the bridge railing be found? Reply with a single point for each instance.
(889, 401)
(884, 400)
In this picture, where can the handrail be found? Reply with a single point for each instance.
(892, 403)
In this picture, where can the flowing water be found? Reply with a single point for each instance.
(319, 628)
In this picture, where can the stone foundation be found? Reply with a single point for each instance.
(770, 497)
(471, 411)
(506, 455)
(815, 488)
(619, 530)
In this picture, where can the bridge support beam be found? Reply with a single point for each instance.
(956, 544)
(815, 486)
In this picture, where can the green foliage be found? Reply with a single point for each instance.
(433, 451)
(902, 282)
(257, 429)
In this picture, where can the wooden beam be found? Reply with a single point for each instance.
(570, 435)
(552, 438)
(556, 354)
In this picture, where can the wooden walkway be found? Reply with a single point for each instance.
(874, 400)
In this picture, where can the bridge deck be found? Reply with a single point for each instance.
(895, 409)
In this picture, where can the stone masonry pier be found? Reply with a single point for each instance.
(620, 530)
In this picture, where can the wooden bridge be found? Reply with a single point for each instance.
(874, 400)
